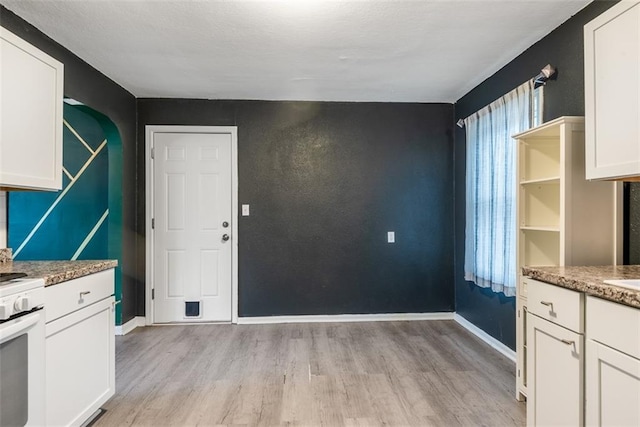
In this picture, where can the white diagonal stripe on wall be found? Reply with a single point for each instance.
(59, 198)
(77, 135)
(66, 172)
(87, 239)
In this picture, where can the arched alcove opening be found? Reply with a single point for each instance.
(84, 219)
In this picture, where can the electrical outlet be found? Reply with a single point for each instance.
(391, 236)
(245, 210)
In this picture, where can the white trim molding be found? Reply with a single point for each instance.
(382, 317)
(497, 345)
(149, 131)
(130, 325)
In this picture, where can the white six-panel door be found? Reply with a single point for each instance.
(192, 211)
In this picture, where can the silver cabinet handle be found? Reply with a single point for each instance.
(84, 293)
(567, 342)
(547, 303)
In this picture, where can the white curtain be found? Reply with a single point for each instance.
(490, 233)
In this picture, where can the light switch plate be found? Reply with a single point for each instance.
(245, 210)
(391, 236)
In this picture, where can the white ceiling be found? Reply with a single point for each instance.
(404, 51)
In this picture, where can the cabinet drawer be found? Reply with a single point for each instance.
(67, 297)
(561, 306)
(614, 325)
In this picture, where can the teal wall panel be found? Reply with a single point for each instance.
(74, 223)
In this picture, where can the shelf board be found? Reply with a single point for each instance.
(548, 180)
(540, 228)
(550, 129)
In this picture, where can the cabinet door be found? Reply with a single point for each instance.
(612, 93)
(31, 94)
(521, 347)
(554, 374)
(80, 363)
(612, 387)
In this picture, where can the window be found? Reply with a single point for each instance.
(490, 239)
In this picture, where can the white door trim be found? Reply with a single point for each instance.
(149, 131)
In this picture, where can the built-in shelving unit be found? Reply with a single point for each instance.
(562, 218)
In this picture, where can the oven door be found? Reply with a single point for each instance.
(22, 364)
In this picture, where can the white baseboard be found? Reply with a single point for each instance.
(506, 351)
(383, 317)
(130, 325)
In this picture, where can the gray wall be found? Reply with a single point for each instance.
(325, 182)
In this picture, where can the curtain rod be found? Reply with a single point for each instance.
(540, 80)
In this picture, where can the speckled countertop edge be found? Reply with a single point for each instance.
(54, 272)
(590, 280)
(5, 255)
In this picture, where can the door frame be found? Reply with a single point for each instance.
(150, 130)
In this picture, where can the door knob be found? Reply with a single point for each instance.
(225, 224)
(225, 237)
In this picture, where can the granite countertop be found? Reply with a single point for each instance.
(5, 255)
(54, 272)
(590, 280)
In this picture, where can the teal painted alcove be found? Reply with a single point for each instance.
(84, 219)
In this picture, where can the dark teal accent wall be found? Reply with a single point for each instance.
(67, 217)
(84, 219)
(115, 225)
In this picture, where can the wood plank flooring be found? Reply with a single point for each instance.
(418, 373)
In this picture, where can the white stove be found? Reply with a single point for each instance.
(22, 351)
(19, 296)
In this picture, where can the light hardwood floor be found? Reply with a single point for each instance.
(385, 373)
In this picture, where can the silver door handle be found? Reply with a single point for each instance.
(567, 342)
(547, 303)
(225, 237)
(84, 293)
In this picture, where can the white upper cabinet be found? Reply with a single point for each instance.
(612, 93)
(31, 97)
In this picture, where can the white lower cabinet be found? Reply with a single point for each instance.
(612, 364)
(80, 349)
(555, 387)
(583, 359)
(555, 356)
(613, 387)
(521, 345)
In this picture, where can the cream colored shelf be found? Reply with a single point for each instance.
(541, 228)
(542, 181)
(539, 247)
(540, 205)
(539, 158)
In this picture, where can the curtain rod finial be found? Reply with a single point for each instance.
(460, 123)
(545, 74)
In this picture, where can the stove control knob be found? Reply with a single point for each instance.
(22, 304)
(5, 310)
